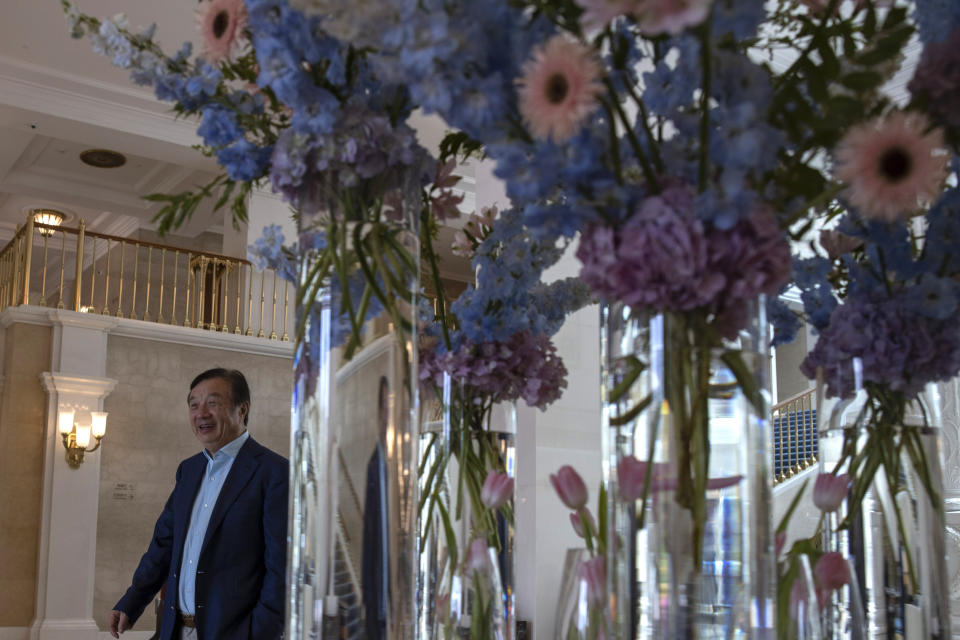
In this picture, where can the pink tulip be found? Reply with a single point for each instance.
(831, 571)
(829, 491)
(477, 557)
(570, 487)
(631, 474)
(497, 490)
(594, 573)
(577, 521)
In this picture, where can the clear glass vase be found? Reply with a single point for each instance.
(470, 602)
(891, 526)
(470, 438)
(687, 462)
(581, 614)
(353, 506)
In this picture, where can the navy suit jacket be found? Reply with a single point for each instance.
(241, 572)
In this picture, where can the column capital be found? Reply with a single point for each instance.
(61, 383)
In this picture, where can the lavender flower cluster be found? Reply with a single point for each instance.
(524, 366)
(502, 347)
(900, 348)
(666, 259)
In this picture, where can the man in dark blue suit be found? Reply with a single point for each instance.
(220, 543)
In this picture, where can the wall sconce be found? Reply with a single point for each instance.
(76, 436)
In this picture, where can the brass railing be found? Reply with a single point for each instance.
(92, 272)
(794, 435)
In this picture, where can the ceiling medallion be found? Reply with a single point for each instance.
(103, 158)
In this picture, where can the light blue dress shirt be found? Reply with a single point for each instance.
(218, 466)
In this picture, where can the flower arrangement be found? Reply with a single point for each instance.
(491, 349)
(669, 137)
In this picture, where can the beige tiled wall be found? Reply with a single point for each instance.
(22, 405)
(148, 434)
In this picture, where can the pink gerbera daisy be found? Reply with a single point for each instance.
(222, 23)
(559, 88)
(599, 13)
(892, 165)
(655, 17)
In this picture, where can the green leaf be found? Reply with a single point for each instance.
(817, 82)
(844, 108)
(734, 360)
(635, 368)
(830, 65)
(870, 22)
(896, 16)
(451, 537)
(785, 520)
(630, 415)
(862, 80)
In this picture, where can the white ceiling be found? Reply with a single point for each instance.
(58, 98)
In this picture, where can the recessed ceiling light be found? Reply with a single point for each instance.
(103, 158)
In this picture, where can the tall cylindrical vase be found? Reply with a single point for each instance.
(470, 440)
(687, 462)
(891, 528)
(353, 543)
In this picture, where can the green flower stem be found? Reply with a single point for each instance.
(315, 279)
(648, 171)
(426, 243)
(645, 121)
(706, 67)
(614, 142)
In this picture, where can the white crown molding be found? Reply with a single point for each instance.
(143, 330)
(44, 90)
(92, 321)
(202, 338)
(77, 385)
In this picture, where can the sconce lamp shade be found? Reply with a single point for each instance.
(99, 426)
(83, 436)
(65, 423)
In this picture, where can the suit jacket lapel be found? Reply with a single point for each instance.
(240, 474)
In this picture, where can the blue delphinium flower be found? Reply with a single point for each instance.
(786, 323)
(219, 126)
(936, 18)
(245, 161)
(934, 297)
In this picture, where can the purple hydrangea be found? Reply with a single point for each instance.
(937, 79)
(899, 348)
(666, 259)
(524, 366)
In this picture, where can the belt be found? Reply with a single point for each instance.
(187, 620)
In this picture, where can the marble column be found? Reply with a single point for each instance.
(68, 530)
(950, 397)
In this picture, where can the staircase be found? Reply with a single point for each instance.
(794, 435)
(346, 586)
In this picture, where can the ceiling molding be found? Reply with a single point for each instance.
(35, 183)
(43, 90)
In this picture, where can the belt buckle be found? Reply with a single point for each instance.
(187, 620)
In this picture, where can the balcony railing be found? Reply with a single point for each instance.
(794, 435)
(72, 268)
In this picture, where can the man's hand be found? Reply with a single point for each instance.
(119, 622)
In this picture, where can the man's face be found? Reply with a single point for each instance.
(214, 417)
